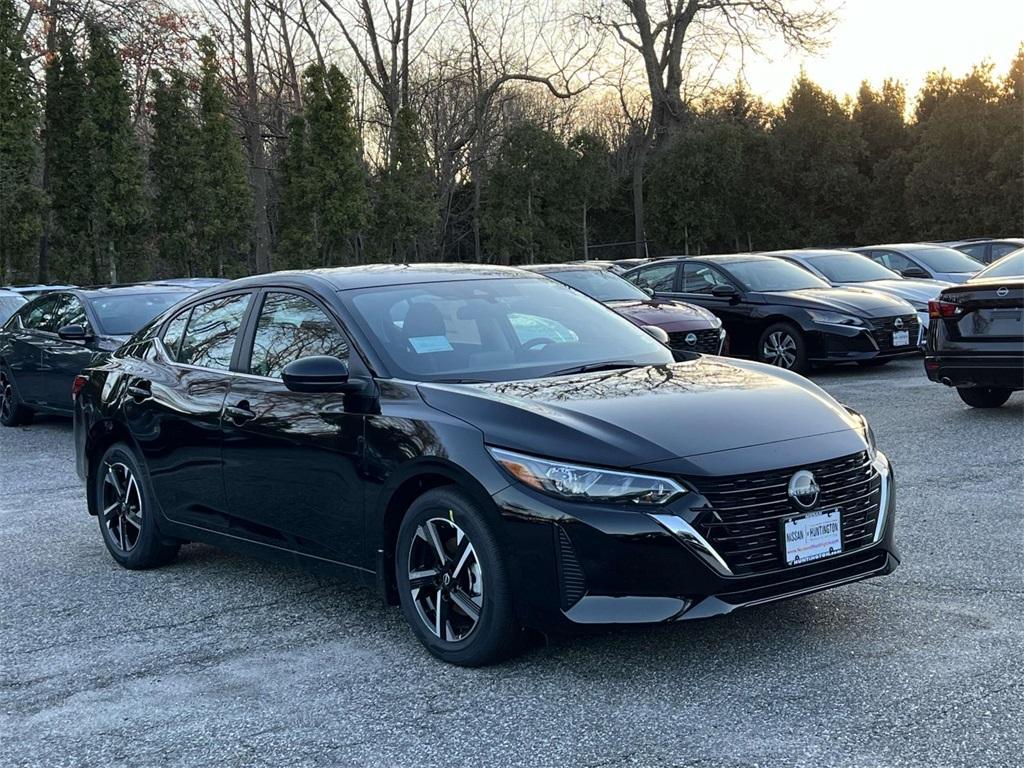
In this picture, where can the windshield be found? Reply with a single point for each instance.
(600, 285)
(495, 330)
(9, 305)
(767, 275)
(850, 268)
(124, 314)
(940, 259)
(1008, 266)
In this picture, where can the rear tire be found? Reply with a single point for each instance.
(783, 346)
(453, 581)
(13, 412)
(984, 397)
(128, 515)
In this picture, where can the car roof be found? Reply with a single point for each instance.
(984, 241)
(376, 275)
(810, 253)
(571, 267)
(720, 258)
(909, 247)
(130, 289)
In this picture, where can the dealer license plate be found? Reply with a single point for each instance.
(900, 338)
(813, 537)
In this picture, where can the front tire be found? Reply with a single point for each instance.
(13, 412)
(783, 345)
(984, 397)
(453, 581)
(127, 512)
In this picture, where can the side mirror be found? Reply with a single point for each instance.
(319, 373)
(74, 333)
(914, 272)
(646, 290)
(724, 291)
(656, 332)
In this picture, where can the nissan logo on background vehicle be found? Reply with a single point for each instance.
(803, 489)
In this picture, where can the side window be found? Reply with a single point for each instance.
(40, 315)
(659, 277)
(70, 311)
(700, 278)
(174, 333)
(290, 327)
(212, 330)
(894, 261)
(1000, 249)
(977, 250)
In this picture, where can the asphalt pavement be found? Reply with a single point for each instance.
(221, 659)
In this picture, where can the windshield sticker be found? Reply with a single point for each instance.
(425, 344)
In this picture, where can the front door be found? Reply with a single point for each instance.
(696, 286)
(63, 360)
(291, 460)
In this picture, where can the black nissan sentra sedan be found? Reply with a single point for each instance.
(781, 314)
(976, 339)
(49, 340)
(494, 450)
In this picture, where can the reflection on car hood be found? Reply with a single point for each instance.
(649, 414)
(911, 290)
(668, 315)
(859, 301)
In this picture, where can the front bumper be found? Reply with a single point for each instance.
(838, 344)
(973, 370)
(581, 564)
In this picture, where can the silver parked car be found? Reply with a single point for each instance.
(853, 269)
(926, 260)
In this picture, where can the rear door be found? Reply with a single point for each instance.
(173, 404)
(291, 460)
(26, 340)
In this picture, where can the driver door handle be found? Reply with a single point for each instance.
(240, 412)
(140, 389)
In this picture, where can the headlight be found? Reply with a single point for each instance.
(721, 333)
(834, 318)
(571, 481)
(866, 432)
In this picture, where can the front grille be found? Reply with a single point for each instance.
(572, 582)
(707, 341)
(883, 328)
(745, 519)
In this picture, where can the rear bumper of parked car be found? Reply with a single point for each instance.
(583, 564)
(972, 369)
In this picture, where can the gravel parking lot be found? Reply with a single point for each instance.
(220, 658)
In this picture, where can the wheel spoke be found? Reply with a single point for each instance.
(422, 578)
(115, 481)
(440, 615)
(109, 510)
(120, 535)
(466, 604)
(435, 539)
(462, 555)
(134, 519)
(132, 486)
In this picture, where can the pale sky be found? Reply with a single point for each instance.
(902, 39)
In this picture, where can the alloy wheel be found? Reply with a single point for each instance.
(122, 506)
(780, 349)
(445, 579)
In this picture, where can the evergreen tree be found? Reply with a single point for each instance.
(224, 203)
(880, 117)
(116, 206)
(323, 192)
(68, 163)
(21, 201)
(405, 207)
(817, 148)
(593, 182)
(174, 162)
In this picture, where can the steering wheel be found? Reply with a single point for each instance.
(539, 341)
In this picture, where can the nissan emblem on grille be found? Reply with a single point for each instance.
(803, 489)
(1002, 291)
(899, 322)
(691, 339)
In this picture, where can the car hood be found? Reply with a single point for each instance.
(910, 290)
(651, 414)
(668, 315)
(859, 301)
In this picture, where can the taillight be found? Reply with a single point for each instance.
(77, 385)
(939, 309)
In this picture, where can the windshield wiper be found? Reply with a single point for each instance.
(459, 381)
(607, 365)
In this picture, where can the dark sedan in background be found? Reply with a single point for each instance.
(976, 340)
(395, 423)
(689, 328)
(782, 314)
(52, 338)
(926, 260)
(844, 268)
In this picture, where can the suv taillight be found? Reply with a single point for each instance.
(938, 309)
